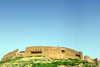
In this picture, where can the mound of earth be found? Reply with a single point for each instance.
(41, 61)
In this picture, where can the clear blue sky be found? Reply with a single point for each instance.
(67, 23)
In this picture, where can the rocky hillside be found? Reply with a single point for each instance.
(41, 61)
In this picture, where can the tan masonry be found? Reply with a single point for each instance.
(48, 51)
(87, 58)
(10, 55)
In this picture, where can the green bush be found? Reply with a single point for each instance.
(9, 60)
(55, 63)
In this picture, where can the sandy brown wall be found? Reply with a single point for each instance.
(10, 55)
(87, 58)
(70, 53)
(44, 50)
(54, 52)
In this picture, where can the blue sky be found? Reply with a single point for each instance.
(67, 23)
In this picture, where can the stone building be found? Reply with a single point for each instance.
(87, 58)
(10, 55)
(48, 51)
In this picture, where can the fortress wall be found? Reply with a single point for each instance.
(76, 53)
(54, 52)
(37, 48)
(29, 54)
(10, 55)
(87, 58)
(70, 55)
(19, 54)
(43, 50)
(81, 55)
(58, 54)
(73, 57)
(96, 60)
(73, 54)
(72, 51)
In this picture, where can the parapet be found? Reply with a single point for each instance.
(49, 51)
(87, 58)
(10, 55)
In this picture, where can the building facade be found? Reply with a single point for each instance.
(48, 51)
(87, 58)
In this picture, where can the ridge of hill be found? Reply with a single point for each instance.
(42, 61)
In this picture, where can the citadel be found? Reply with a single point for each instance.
(48, 51)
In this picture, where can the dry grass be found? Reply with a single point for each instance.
(41, 62)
